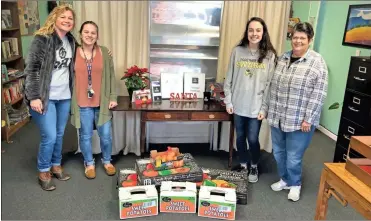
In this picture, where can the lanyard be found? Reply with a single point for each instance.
(89, 66)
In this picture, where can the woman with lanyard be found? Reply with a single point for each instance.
(93, 96)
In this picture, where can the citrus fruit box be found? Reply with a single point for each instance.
(226, 179)
(147, 175)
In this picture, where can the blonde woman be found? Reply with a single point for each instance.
(49, 70)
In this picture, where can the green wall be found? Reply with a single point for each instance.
(304, 10)
(329, 36)
(43, 14)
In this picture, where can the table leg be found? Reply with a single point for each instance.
(231, 139)
(322, 199)
(142, 134)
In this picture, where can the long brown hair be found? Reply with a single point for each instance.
(265, 45)
(49, 26)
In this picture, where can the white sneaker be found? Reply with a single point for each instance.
(280, 185)
(294, 193)
(253, 175)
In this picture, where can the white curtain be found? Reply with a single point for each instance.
(124, 29)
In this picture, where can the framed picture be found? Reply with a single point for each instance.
(291, 25)
(357, 31)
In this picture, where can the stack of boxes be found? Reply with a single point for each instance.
(181, 187)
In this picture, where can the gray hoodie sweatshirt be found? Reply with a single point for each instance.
(247, 81)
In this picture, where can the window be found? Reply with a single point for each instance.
(184, 37)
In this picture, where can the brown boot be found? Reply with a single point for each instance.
(46, 182)
(57, 171)
(110, 169)
(90, 172)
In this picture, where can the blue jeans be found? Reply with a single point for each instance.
(288, 150)
(89, 116)
(247, 128)
(51, 125)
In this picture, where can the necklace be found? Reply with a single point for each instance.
(92, 53)
(253, 53)
(89, 66)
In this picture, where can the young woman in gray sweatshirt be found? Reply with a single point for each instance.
(247, 82)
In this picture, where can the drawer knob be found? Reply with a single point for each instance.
(211, 116)
(167, 116)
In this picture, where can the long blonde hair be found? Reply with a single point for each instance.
(49, 25)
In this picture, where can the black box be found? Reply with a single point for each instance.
(193, 175)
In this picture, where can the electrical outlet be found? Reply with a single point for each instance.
(358, 52)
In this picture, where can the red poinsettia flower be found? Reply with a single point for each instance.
(136, 77)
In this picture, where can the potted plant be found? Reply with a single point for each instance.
(136, 79)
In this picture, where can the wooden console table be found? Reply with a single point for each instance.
(167, 110)
(336, 179)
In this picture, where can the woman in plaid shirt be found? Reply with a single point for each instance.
(297, 93)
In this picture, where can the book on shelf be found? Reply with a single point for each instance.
(6, 19)
(13, 91)
(9, 73)
(16, 115)
(9, 47)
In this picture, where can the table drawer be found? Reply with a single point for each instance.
(210, 116)
(167, 116)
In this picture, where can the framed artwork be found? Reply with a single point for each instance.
(28, 12)
(357, 31)
(292, 23)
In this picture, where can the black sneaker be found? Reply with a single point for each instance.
(238, 168)
(253, 175)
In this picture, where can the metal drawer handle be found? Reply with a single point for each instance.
(351, 130)
(362, 69)
(359, 79)
(211, 116)
(344, 157)
(352, 108)
(356, 100)
(346, 137)
(167, 116)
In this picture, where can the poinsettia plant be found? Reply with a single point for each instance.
(136, 77)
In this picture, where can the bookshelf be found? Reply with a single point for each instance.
(14, 112)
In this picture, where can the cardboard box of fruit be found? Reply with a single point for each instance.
(127, 177)
(147, 175)
(226, 179)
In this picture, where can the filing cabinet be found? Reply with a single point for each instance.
(356, 110)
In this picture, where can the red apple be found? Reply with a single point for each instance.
(132, 177)
(150, 166)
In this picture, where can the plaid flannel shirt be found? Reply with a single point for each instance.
(297, 92)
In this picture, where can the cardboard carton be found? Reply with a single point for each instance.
(138, 201)
(178, 197)
(226, 178)
(360, 167)
(147, 175)
(217, 202)
(127, 177)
